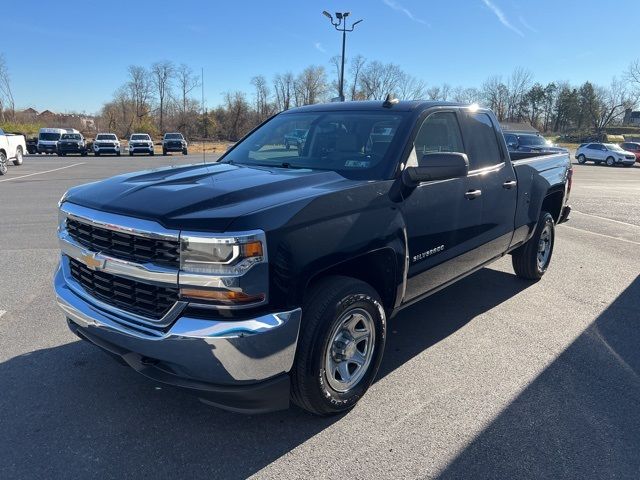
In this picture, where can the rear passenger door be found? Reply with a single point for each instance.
(492, 176)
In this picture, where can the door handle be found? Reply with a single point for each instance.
(509, 184)
(471, 194)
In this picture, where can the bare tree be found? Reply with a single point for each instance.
(162, 74)
(140, 90)
(187, 82)
(409, 87)
(264, 108)
(283, 86)
(518, 85)
(466, 95)
(7, 102)
(496, 96)
(356, 66)
(310, 85)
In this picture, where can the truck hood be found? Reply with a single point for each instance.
(204, 197)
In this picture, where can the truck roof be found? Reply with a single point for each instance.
(372, 105)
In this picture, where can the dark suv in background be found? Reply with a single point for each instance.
(71, 143)
(174, 142)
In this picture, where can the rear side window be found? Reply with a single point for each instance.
(439, 132)
(481, 141)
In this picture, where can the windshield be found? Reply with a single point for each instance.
(173, 136)
(106, 136)
(140, 137)
(71, 136)
(532, 141)
(354, 144)
(49, 136)
(613, 146)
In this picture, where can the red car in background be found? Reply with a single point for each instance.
(633, 147)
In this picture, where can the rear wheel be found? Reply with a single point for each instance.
(611, 161)
(582, 159)
(19, 158)
(3, 164)
(532, 259)
(341, 345)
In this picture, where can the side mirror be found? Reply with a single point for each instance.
(437, 166)
(513, 145)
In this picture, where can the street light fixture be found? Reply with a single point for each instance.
(340, 24)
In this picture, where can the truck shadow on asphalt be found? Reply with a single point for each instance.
(580, 418)
(71, 412)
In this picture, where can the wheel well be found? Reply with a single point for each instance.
(377, 268)
(2, 151)
(552, 203)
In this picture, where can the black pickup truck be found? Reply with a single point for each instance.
(271, 274)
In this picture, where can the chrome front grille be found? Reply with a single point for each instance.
(125, 246)
(127, 266)
(140, 298)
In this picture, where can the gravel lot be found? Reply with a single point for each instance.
(493, 377)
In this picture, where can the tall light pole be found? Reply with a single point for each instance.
(341, 21)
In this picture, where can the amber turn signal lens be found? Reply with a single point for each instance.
(221, 296)
(252, 249)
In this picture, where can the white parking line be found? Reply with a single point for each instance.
(605, 218)
(601, 234)
(41, 173)
(2, 312)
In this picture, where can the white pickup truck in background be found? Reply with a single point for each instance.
(12, 147)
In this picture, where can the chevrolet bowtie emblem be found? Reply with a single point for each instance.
(91, 261)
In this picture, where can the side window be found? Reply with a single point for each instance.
(439, 132)
(482, 142)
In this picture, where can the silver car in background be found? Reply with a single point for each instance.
(609, 153)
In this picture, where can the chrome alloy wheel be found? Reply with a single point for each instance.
(350, 350)
(544, 247)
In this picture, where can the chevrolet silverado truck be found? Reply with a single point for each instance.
(270, 275)
(174, 142)
(12, 147)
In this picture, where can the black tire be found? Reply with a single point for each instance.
(325, 309)
(97, 154)
(117, 154)
(3, 164)
(525, 259)
(152, 153)
(84, 154)
(185, 152)
(19, 158)
(611, 162)
(164, 152)
(582, 159)
(131, 154)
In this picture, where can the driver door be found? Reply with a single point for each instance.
(442, 220)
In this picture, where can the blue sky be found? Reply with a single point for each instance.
(73, 56)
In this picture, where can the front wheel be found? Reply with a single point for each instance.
(3, 164)
(341, 345)
(532, 259)
(611, 162)
(582, 159)
(19, 158)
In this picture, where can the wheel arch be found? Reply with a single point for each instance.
(553, 202)
(378, 268)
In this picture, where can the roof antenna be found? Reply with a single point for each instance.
(390, 101)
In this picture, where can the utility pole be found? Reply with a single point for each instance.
(340, 24)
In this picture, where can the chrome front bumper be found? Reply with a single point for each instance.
(199, 354)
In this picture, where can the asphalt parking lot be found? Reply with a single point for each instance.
(493, 377)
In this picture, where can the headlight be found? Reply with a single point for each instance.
(221, 255)
(226, 270)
